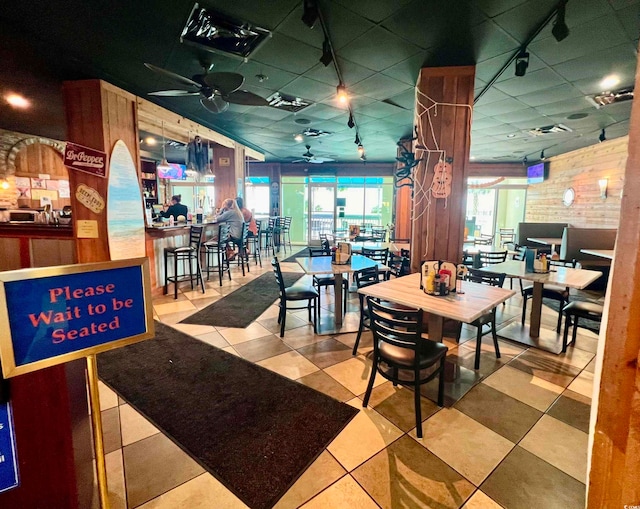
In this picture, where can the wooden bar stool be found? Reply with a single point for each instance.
(188, 253)
(574, 311)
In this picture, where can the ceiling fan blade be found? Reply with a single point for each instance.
(173, 93)
(224, 82)
(247, 98)
(215, 104)
(172, 75)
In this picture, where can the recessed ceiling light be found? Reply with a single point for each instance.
(17, 101)
(577, 116)
(150, 140)
(512, 135)
(609, 82)
(302, 121)
(298, 137)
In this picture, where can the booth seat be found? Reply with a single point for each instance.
(532, 230)
(574, 239)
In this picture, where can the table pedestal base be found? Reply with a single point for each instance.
(548, 340)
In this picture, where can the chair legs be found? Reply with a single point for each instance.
(441, 382)
(416, 401)
(311, 304)
(372, 378)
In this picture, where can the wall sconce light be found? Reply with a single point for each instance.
(4, 184)
(602, 183)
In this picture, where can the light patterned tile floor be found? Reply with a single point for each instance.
(377, 460)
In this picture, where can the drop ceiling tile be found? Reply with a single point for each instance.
(374, 10)
(531, 82)
(593, 86)
(276, 78)
(605, 32)
(499, 107)
(288, 54)
(629, 19)
(501, 129)
(264, 14)
(494, 7)
(484, 123)
(379, 109)
(403, 119)
(408, 70)
(343, 26)
(564, 107)
(487, 69)
(378, 49)
(492, 95)
(406, 99)
(620, 111)
(491, 41)
(351, 73)
(287, 126)
(550, 95)
(379, 87)
(254, 120)
(520, 21)
(598, 64)
(267, 112)
(532, 122)
(324, 111)
(309, 89)
(518, 116)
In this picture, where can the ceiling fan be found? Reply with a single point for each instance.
(308, 157)
(217, 89)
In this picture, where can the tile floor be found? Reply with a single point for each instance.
(513, 434)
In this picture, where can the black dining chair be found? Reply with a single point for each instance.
(364, 277)
(573, 312)
(491, 279)
(327, 280)
(398, 345)
(492, 257)
(253, 245)
(241, 246)
(295, 293)
(378, 255)
(216, 251)
(550, 291)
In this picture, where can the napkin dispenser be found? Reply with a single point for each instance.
(343, 254)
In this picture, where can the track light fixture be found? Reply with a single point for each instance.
(350, 122)
(560, 29)
(341, 94)
(327, 55)
(309, 12)
(542, 157)
(522, 62)
(602, 137)
(525, 161)
(357, 140)
(360, 150)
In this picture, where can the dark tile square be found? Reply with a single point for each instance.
(573, 409)
(326, 353)
(501, 413)
(523, 480)
(545, 367)
(111, 429)
(322, 382)
(262, 348)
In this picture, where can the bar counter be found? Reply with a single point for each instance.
(24, 245)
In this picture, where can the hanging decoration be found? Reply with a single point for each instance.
(441, 184)
(404, 174)
(485, 185)
(197, 155)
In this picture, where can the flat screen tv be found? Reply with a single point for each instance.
(536, 173)
(174, 172)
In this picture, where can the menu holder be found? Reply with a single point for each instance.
(529, 259)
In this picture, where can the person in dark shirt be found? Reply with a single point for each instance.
(176, 209)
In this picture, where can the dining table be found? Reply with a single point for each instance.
(547, 241)
(394, 247)
(315, 265)
(533, 334)
(474, 301)
(602, 253)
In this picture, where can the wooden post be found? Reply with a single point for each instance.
(438, 224)
(614, 476)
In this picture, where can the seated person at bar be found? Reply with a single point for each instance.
(176, 209)
(248, 217)
(230, 213)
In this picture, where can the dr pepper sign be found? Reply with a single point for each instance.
(53, 315)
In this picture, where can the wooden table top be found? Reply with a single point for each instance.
(547, 241)
(563, 276)
(394, 247)
(323, 265)
(476, 300)
(602, 253)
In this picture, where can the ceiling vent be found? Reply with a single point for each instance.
(217, 33)
(287, 102)
(549, 129)
(315, 133)
(606, 98)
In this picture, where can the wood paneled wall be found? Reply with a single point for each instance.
(581, 170)
(225, 181)
(37, 159)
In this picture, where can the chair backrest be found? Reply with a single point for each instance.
(492, 257)
(378, 255)
(366, 277)
(195, 237)
(400, 328)
(258, 229)
(400, 265)
(506, 235)
(223, 233)
(379, 233)
(245, 233)
(486, 278)
(278, 273)
(520, 253)
(405, 253)
(317, 251)
(287, 222)
(483, 240)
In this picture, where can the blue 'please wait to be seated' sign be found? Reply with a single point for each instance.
(8, 457)
(61, 313)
